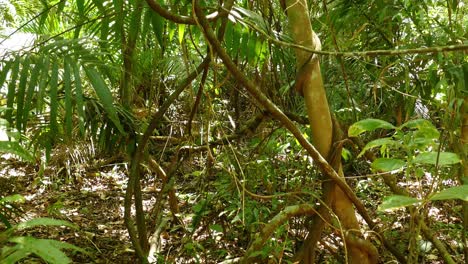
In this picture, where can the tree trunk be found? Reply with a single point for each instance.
(309, 83)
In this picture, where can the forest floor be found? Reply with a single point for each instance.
(94, 203)
(92, 199)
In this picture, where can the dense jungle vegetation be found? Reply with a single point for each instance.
(233, 131)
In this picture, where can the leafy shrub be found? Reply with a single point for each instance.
(15, 248)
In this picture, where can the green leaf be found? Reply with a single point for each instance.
(105, 96)
(16, 149)
(368, 125)
(53, 98)
(68, 99)
(457, 192)
(445, 158)
(251, 48)
(216, 227)
(11, 91)
(171, 29)
(12, 255)
(21, 91)
(44, 221)
(30, 91)
(377, 143)
(236, 40)
(244, 44)
(418, 124)
(80, 5)
(12, 199)
(44, 248)
(117, 28)
(42, 84)
(254, 18)
(427, 133)
(397, 201)
(181, 33)
(158, 26)
(135, 23)
(387, 164)
(4, 71)
(78, 96)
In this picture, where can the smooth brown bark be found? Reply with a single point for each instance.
(277, 114)
(309, 83)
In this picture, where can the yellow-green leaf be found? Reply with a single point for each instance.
(181, 33)
(457, 192)
(367, 125)
(387, 164)
(442, 158)
(397, 201)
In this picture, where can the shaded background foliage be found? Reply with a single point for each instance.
(97, 71)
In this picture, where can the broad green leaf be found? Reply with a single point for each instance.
(457, 192)
(53, 98)
(181, 33)
(420, 140)
(117, 28)
(31, 90)
(135, 23)
(256, 19)
(236, 39)
(44, 221)
(445, 158)
(64, 245)
(12, 199)
(16, 149)
(244, 45)
(419, 124)
(78, 97)
(104, 32)
(20, 93)
(105, 96)
(346, 154)
(4, 71)
(68, 99)
(172, 30)
(378, 143)
(387, 164)
(43, 18)
(81, 7)
(158, 27)
(43, 248)
(11, 91)
(13, 254)
(228, 36)
(216, 227)
(145, 28)
(367, 125)
(464, 179)
(427, 133)
(260, 50)
(397, 201)
(251, 48)
(42, 85)
(60, 7)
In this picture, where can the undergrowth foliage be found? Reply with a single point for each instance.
(129, 104)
